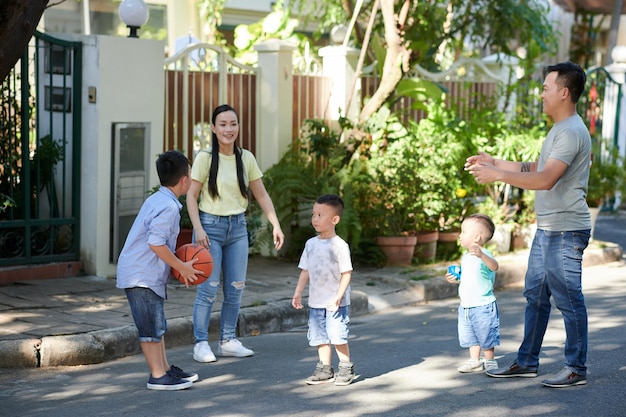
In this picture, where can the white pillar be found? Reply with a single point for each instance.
(274, 101)
(618, 72)
(339, 64)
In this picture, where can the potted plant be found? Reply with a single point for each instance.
(443, 144)
(393, 189)
(391, 216)
(186, 228)
(525, 225)
(456, 208)
(607, 178)
(606, 174)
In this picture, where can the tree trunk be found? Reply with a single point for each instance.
(395, 58)
(18, 21)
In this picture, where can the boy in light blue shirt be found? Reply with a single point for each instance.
(479, 323)
(144, 265)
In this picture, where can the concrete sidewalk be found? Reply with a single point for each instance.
(86, 320)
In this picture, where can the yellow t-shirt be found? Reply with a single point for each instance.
(230, 200)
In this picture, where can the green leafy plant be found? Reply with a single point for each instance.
(513, 143)
(606, 174)
(278, 24)
(48, 153)
(6, 202)
(390, 182)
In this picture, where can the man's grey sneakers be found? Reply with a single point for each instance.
(345, 373)
(233, 347)
(323, 374)
(202, 352)
(565, 378)
(513, 371)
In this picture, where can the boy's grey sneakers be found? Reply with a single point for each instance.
(167, 382)
(202, 352)
(513, 371)
(185, 376)
(323, 374)
(565, 378)
(345, 373)
(472, 365)
(233, 347)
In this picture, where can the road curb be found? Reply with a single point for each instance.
(510, 274)
(104, 345)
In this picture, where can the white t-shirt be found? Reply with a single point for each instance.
(326, 260)
(476, 286)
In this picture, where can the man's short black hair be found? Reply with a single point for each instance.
(570, 75)
(333, 201)
(171, 166)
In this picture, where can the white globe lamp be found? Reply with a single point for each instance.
(134, 13)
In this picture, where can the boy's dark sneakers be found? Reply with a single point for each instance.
(167, 382)
(513, 371)
(185, 376)
(565, 378)
(345, 373)
(323, 374)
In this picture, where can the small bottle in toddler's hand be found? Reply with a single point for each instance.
(455, 270)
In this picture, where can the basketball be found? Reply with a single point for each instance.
(204, 262)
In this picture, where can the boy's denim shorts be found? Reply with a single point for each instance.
(479, 326)
(328, 327)
(148, 313)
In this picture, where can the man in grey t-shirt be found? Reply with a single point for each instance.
(560, 178)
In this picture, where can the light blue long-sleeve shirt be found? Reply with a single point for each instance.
(157, 224)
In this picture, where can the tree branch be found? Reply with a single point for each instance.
(18, 21)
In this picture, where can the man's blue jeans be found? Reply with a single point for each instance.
(228, 237)
(555, 269)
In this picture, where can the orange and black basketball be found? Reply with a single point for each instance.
(204, 262)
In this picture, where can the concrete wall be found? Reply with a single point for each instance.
(128, 76)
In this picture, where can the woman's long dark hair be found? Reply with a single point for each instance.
(215, 157)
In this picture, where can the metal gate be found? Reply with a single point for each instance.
(197, 79)
(40, 124)
(600, 105)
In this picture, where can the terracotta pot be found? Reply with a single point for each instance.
(426, 247)
(398, 249)
(448, 245)
(451, 236)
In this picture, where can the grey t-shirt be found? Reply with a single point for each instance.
(563, 208)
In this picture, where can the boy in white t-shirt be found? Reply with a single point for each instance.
(327, 269)
(479, 323)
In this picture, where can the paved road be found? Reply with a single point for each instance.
(611, 228)
(406, 359)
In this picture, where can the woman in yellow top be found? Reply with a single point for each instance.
(222, 177)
